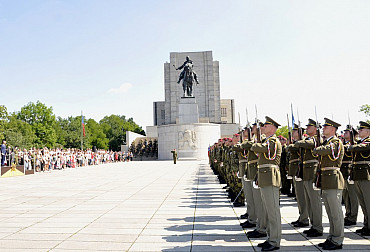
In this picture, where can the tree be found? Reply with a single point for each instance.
(3, 120)
(283, 131)
(42, 121)
(115, 127)
(97, 136)
(18, 133)
(366, 109)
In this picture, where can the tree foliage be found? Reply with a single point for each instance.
(35, 125)
(366, 109)
(283, 131)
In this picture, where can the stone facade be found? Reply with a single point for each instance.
(227, 111)
(207, 92)
(191, 125)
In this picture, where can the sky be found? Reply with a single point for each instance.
(106, 57)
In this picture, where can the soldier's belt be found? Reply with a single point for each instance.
(346, 162)
(253, 161)
(268, 165)
(362, 162)
(330, 169)
(293, 160)
(243, 161)
(310, 161)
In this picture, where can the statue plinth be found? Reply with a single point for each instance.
(188, 110)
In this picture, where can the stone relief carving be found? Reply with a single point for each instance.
(187, 140)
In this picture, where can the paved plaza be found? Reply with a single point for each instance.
(136, 206)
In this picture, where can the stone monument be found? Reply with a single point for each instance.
(190, 119)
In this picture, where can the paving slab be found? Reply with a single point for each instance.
(137, 206)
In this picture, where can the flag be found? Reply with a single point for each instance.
(291, 108)
(83, 124)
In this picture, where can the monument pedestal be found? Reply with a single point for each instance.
(190, 138)
(188, 110)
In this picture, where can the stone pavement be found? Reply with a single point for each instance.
(136, 206)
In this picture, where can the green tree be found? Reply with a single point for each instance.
(71, 132)
(115, 127)
(283, 131)
(3, 120)
(19, 133)
(97, 136)
(42, 121)
(366, 109)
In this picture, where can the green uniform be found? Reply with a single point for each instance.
(349, 192)
(269, 181)
(361, 176)
(294, 160)
(332, 184)
(312, 196)
(174, 155)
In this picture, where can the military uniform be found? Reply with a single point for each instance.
(285, 182)
(259, 210)
(174, 155)
(361, 176)
(312, 196)
(294, 160)
(332, 183)
(349, 192)
(269, 181)
(238, 186)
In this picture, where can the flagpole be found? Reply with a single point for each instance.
(82, 132)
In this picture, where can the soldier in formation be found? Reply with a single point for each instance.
(319, 168)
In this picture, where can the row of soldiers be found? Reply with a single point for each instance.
(320, 168)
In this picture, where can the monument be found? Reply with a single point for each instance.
(193, 116)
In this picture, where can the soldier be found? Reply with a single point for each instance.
(242, 169)
(174, 155)
(312, 196)
(361, 175)
(269, 181)
(239, 201)
(349, 192)
(332, 183)
(294, 159)
(285, 183)
(256, 200)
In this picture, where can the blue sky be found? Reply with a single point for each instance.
(106, 57)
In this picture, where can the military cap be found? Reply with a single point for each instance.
(247, 127)
(230, 139)
(311, 122)
(349, 128)
(236, 135)
(295, 126)
(364, 125)
(269, 120)
(282, 138)
(259, 123)
(329, 122)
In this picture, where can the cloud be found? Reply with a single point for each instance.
(123, 88)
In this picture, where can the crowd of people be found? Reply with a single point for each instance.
(50, 159)
(316, 165)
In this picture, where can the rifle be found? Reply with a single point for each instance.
(248, 128)
(255, 181)
(290, 141)
(318, 173)
(241, 131)
(352, 142)
(299, 174)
